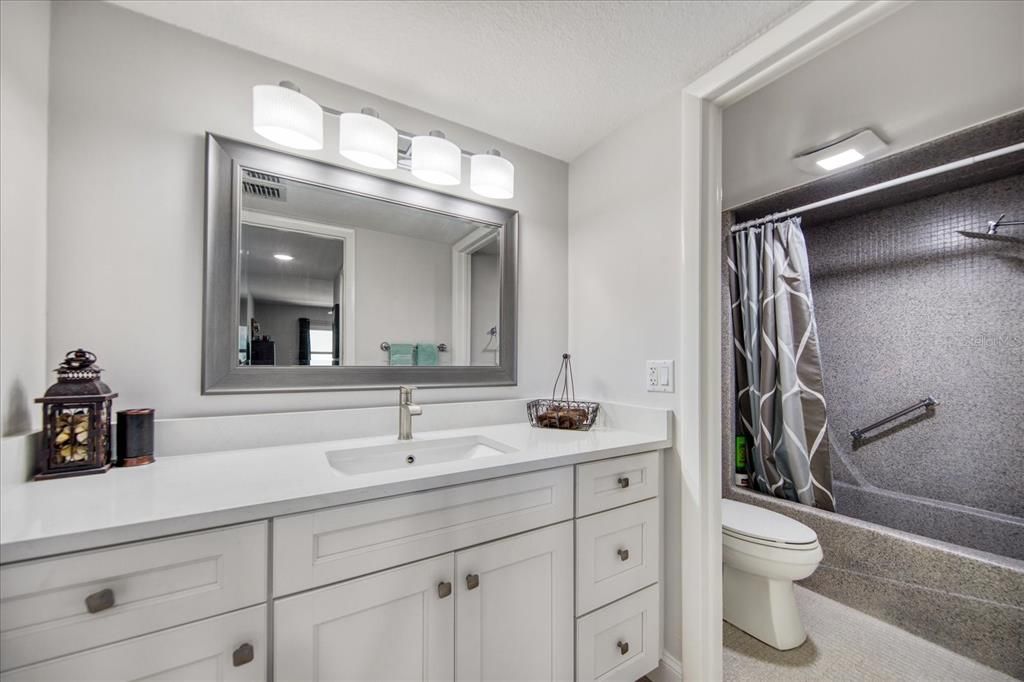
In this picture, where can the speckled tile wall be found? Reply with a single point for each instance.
(906, 308)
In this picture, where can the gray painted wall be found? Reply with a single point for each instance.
(24, 79)
(906, 307)
(130, 101)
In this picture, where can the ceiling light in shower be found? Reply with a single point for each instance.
(491, 176)
(840, 153)
(367, 140)
(284, 115)
(436, 160)
(843, 158)
(284, 256)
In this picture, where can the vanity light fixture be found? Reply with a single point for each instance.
(435, 159)
(367, 140)
(492, 176)
(282, 114)
(284, 256)
(842, 152)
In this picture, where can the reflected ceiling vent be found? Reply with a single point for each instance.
(263, 185)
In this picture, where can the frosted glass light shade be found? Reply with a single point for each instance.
(368, 141)
(436, 160)
(287, 117)
(491, 176)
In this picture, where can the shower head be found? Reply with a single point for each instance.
(993, 231)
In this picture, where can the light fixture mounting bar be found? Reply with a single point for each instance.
(402, 134)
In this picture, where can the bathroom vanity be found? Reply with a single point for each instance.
(539, 560)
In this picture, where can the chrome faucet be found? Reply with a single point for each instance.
(407, 409)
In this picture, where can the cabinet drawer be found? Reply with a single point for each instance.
(619, 643)
(330, 545)
(612, 483)
(228, 648)
(616, 553)
(53, 607)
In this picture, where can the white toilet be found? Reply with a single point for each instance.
(762, 554)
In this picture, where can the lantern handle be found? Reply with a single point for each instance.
(79, 359)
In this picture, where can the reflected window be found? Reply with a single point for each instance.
(321, 342)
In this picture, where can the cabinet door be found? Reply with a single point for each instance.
(514, 612)
(393, 625)
(228, 648)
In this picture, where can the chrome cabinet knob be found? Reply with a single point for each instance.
(623, 648)
(242, 655)
(99, 601)
(623, 554)
(624, 482)
(444, 589)
(472, 581)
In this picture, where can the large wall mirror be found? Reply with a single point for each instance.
(324, 278)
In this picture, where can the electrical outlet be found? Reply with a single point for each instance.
(661, 376)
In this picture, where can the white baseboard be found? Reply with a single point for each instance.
(668, 670)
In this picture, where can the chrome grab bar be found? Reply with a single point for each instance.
(926, 403)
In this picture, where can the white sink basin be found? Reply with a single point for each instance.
(413, 453)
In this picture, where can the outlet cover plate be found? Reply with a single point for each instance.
(661, 376)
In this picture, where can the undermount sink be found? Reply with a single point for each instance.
(407, 454)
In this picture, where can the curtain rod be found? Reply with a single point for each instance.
(937, 170)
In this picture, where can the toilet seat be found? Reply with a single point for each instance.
(747, 523)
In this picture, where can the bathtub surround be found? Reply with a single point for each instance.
(907, 307)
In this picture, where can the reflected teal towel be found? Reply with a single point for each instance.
(426, 354)
(400, 354)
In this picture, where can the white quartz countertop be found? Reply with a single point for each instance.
(190, 492)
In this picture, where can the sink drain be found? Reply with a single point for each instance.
(410, 459)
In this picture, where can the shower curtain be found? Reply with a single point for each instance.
(780, 399)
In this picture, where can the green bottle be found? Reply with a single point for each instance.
(740, 475)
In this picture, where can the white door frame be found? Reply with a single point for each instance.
(348, 268)
(462, 292)
(803, 35)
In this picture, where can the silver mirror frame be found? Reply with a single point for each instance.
(225, 159)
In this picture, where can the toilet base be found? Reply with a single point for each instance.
(762, 607)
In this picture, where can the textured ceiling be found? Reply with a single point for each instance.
(555, 77)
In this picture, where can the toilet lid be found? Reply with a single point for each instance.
(746, 520)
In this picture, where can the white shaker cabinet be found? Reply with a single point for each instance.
(514, 608)
(394, 625)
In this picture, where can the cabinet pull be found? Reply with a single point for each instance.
(472, 581)
(623, 648)
(624, 481)
(242, 655)
(100, 601)
(623, 554)
(444, 589)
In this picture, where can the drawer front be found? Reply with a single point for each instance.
(326, 546)
(228, 648)
(53, 607)
(619, 643)
(612, 483)
(616, 553)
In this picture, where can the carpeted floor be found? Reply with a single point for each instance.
(845, 644)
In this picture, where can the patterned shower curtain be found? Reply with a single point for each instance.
(781, 401)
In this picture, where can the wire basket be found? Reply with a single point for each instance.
(564, 412)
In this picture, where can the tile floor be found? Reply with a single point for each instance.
(844, 644)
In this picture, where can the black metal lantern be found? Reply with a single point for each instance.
(76, 420)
